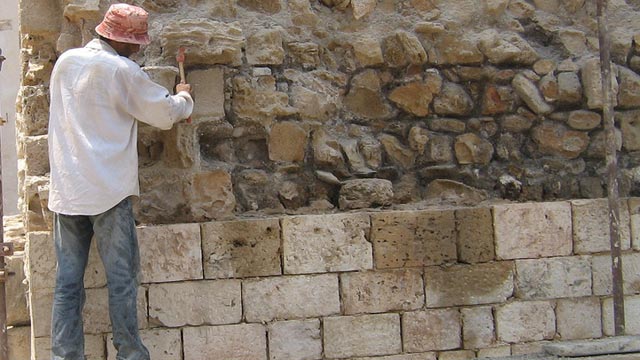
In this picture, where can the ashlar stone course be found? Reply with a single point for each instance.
(478, 329)
(295, 340)
(431, 330)
(579, 318)
(591, 226)
(560, 277)
(422, 356)
(231, 342)
(366, 335)
(163, 344)
(475, 235)
(601, 268)
(631, 314)
(525, 321)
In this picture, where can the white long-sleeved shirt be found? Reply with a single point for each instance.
(96, 95)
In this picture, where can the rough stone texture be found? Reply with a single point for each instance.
(478, 327)
(631, 311)
(232, 342)
(209, 85)
(377, 292)
(413, 239)
(579, 318)
(556, 139)
(265, 47)
(195, 303)
(170, 253)
(525, 321)
(365, 193)
(592, 84)
(365, 335)
(544, 230)
(19, 342)
(163, 344)
(325, 244)
(553, 278)
(233, 249)
(287, 142)
(475, 235)
(591, 226)
(529, 93)
(17, 312)
(93, 347)
(469, 284)
(431, 330)
(290, 297)
(634, 219)
(295, 340)
(601, 269)
(423, 356)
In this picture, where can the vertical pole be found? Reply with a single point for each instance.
(612, 169)
(4, 342)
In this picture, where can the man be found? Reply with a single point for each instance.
(96, 95)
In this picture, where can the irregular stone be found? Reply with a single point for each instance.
(412, 47)
(530, 94)
(36, 152)
(242, 341)
(478, 330)
(630, 127)
(295, 339)
(362, 8)
(371, 149)
(439, 149)
(326, 243)
(181, 303)
(394, 53)
(314, 96)
(565, 277)
(263, 6)
(524, 321)
(447, 125)
(429, 28)
(584, 120)
(410, 239)
(469, 284)
(418, 139)
(356, 161)
(556, 139)
(521, 9)
(38, 18)
(281, 298)
(365, 97)
(516, 123)
(366, 335)
(368, 51)
(472, 149)
(258, 100)
(17, 312)
(629, 93)
(574, 41)
(475, 235)
(495, 8)
(256, 190)
(237, 249)
(453, 99)
(365, 193)
(287, 142)
(381, 291)
(579, 318)
(506, 48)
(549, 87)
(414, 97)
(398, 153)
(419, 334)
(205, 41)
(544, 66)
(544, 230)
(265, 47)
(306, 54)
(163, 344)
(498, 100)
(569, 88)
(592, 84)
(302, 14)
(326, 151)
(212, 195)
(453, 49)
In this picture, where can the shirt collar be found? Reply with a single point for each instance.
(98, 44)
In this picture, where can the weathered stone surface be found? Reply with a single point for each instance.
(569, 88)
(295, 340)
(265, 47)
(412, 47)
(19, 342)
(291, 297)
(209, 85)
(398, 153)
(601, 268)
(94, 348)
(498, 100)
(631, 311)
(329, 243)
(163, 196)
(454, 49)
(544, 66)
(506, 48)
(525, 321)
(413, 239)
(579, 318)
(472, 149)
(233, 249)
(368, 51)
(163, 344)
(574, 41)
(326, 151)
(548, 86)
(96, 311)
(365, 97)
(305, 54)
(475, 235)
(365, 193)
(630, 126)
(15, 299)
(170, 253)
(287, 142)
(452, 99)
(544, 230)
(231, 342)
(592, 84)
(530, 94)
(419, 334)
(365, 335)
(584, 120)
(591, 226)
(212, 195)
(205, 41)
(555, 139)
(421, 356)
(362, 8)
(381, 291)
(469, 284)
(453, 192)
(498, 351)
(258, 100)
(195, 303)
(37, 154)
(37, 17)
(634, 218)
(356, 161)
(447, 125)
(629, 91)
(561, 277)
(478, 330)
(33, 106)
(414, 97)
(317, 102)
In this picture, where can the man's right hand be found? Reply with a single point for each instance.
(183, 87)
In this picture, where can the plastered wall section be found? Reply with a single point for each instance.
(401, 285)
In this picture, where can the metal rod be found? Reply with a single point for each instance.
(612, 169)
(4, 342)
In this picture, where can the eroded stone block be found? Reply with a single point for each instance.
(233, 342)
(163, 344)
(382, 291)
(366, 335)
(559, 277)
(478, 330)
(579, 318)
(419, 334)
(525, 321)
(602, 283)
(591, 226)
(475, 235)
(208, 85)
(295, 340)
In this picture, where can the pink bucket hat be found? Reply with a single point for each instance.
(125, 23)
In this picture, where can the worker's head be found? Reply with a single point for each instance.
(127, 25)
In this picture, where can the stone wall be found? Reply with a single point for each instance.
(451, 283)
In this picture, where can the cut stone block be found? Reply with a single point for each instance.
(231, 342)
(518, 322)
(478, 330)
(579, 318)
(382, 291)
(601, 269)
(366, 335)
(560, 277)
(163, 344)
(631, 314)
(591, 226)
(475, 235)
(419, 334)
(295, 340)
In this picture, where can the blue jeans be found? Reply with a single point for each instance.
(115, 233)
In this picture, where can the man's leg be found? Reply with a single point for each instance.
(72, 238)
(118, 245)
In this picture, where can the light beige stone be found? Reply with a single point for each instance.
(314, 244)
(19, 343)
(457, 355)
(295, 340)
(94, 348)
(258, 100)
(234, 249)
(265, 47)
(96, 311)
(399, 154)
(498, 351)
(558, 277)
(195, 303)
(507, 47)
(413, 49)
(419, 334)
(163, 344)
(231, 342)
(475, 235)
(36, 155)
(453, 100)
(15, 299)
(634, 218)
(584, 120)
(569, 88)
(212, 195)
(414, 97)
(450, 48)
(629, 93)
(602, 277)
(478, 329)
(631, 312)
(208, 86)
(543, 230)
(555, 139)
(421, 356)
(290, 297)
(368, 51)
(365, 98)
(472, 149)
(366, 335)
(170, 253)
(365, 193)
(525, 321)
(33, 102)
(591, 226)
(630, 127)
(592, 84)
(530, 94)
(413, 238)
(287, 142)
(381, 291)
(579, 318)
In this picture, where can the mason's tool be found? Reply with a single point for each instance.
(180, 59)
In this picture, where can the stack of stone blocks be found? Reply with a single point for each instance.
(302, 214)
